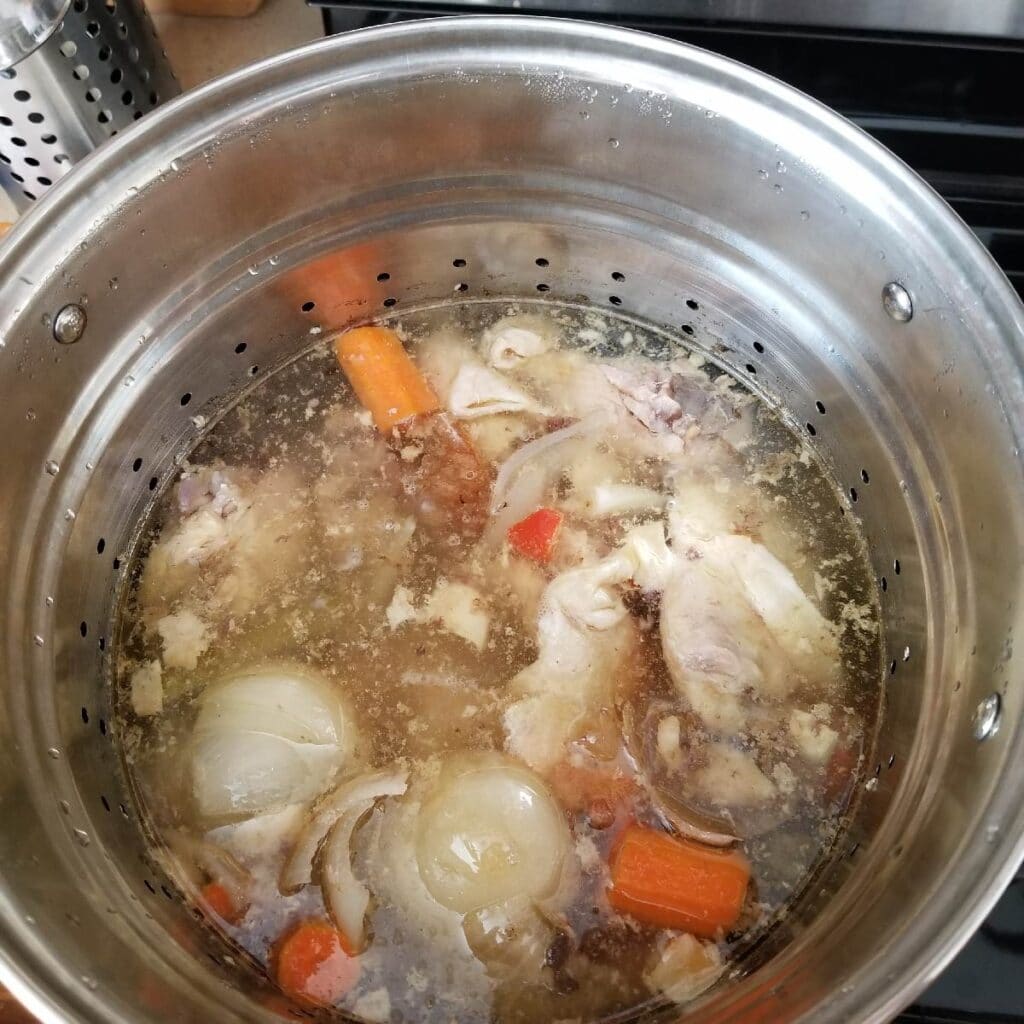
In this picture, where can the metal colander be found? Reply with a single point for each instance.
(73, 73)
(396, 168)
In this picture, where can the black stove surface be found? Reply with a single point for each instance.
(950, 104)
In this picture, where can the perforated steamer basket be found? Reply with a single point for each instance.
(376, 173)
(73, 73)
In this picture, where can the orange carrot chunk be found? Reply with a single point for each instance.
(315, 963)
(386, 381)
(672, 883)
(534, 537)
(218, 901)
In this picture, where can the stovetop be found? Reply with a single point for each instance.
(940, 84)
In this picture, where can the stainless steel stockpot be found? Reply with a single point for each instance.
(396, 168)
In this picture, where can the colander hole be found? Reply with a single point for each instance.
(153, 481)
(8, 73)
(149, 885)
(103, 727)
(459, 263)
(62, 158)
(92, 29)
(186, 398)
(541, 262)
(308, 306)
(810, 429)
(154, 98)
(253, 370)
(542, 287)
(391, 300)
(892, 667)
(28, 195)
(215, 960)
(116, 75)
(5, 121)
(6, 159)
(80, 73)
(80, 6)
(820, 406)
(17, 177)
(22, 95)
(853, 849)
(896, 566)
(18, 141)
(48, 140)
(617, 275)
(758, 347)
(103, 116)
(615, 300)
(383, 276)
(103, 53)
(885, 584)
(240, 348)
(123, 809)
(36, 118)
(692, 303)
(687, 329)
(102, 643)
(69, 48)
(906, 653)
(892, 760)
(31, 161)
(137, 465)
(85, 716)
(167, 892)
(122, 31)
(83, 628)
(93, 94)
(111, 5)
(100, 545)
(853, 494)
(117, 564)
(878, 769)
(864, 476)
(751, 368)
(44, 181)
(106, 804)
(137, 116)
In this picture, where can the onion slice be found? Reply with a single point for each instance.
(351, 793)
(537, 448)
(677, 815)
(346, 897)
(684, 819)
(213, 861)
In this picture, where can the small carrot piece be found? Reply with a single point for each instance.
(839, 772)
(535, 536)
(218, 900)
(315, 963)
(386, 381)
(672, 883)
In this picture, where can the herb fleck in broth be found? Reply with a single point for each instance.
(535, 704)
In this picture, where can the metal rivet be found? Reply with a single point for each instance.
(986, 717)
(69, 324)
(897, 303)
